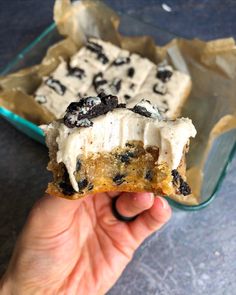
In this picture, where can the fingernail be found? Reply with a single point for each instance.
(164, 203)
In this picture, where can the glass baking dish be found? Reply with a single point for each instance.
(221, 153)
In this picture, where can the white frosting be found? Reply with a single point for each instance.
(116, 128)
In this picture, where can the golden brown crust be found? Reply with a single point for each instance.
(54, 191)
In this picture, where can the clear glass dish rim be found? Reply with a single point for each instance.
(36, 129)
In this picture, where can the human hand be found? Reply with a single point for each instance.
(79, 247)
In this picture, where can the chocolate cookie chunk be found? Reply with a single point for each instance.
(82, 184)
(149, 175)
(71, 121)
(65, 185)
(130, 72)
(132, 86)
(98, 81)
(126, 96)
(75, 72)
(181, 185)
(126, 157)
(116, 83)
(79, 113)
(56, 85)
(94, 47)
(98, 50)
(146, 109)
(103, 58)
(159, 88)
(164, 73)
(118, 179)
(121, 106)
(121, 61)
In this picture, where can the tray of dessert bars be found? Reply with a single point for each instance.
(140, 64)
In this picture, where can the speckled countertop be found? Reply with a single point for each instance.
(196, 252)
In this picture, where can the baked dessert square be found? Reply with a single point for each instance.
(54, 96)
(103, 82)
(77, 78)
(166, 88)
(97, 52)
(131, 67)
(101, 145)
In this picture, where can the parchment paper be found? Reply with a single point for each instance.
(212, 66)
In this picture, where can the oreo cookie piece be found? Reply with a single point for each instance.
(98, 50)
(103, 58)
(94, 47)
(132, 86)
(126, 157)
(56, 85)
(121, 60)
(119, 179)
(71, 121)
(98, 81)
(78, 114)
(130, 72)
(149, 175)
(41, 99)
(84, 123)
(75, 72)
(159, 88)
(66, 186)
(146, 109)
(164, 73)
(121, 106)
(181, 185)
(116, 83)
(82, 184)
(126, 96)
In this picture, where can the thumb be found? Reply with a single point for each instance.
(151, 220)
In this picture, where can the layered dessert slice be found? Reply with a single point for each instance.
(101, 145)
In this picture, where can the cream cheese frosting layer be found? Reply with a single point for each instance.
(114, 129)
